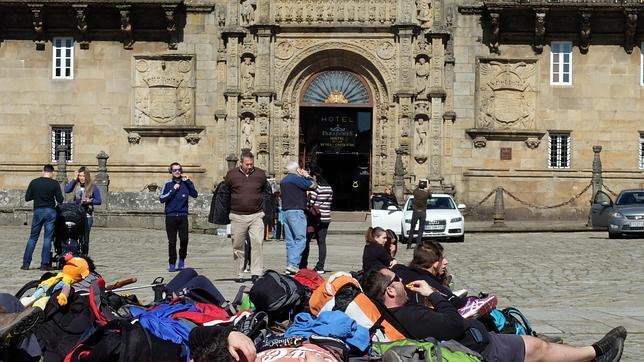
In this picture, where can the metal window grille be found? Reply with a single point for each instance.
(559, 151)
(561, 63)
(641, 150)
(62, 136)
(63, 58)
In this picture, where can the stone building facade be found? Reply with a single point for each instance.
(461, 93)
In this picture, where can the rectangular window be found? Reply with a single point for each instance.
(559, 150)
(561, 63)
(62, 135)
(641, 150)
(63, 58)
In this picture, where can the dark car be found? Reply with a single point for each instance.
(625, 216)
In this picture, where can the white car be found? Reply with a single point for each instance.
(444, 218)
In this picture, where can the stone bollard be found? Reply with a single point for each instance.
(499, 208)
(61, 176)
(596, 181)
(399, 173)
(102, 179)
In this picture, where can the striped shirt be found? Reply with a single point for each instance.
(322, 197)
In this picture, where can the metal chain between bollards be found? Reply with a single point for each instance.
(609, 190)
(470, 209)
(570, 201)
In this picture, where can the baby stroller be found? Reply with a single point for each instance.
(69, 232)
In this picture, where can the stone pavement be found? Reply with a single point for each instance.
(574, 285)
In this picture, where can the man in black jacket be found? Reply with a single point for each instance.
(46, 194)
(444, 323)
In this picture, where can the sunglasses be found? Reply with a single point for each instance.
(176, 170)
(395, 279)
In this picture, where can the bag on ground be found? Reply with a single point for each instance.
(508, 321)
(428, 350)
(280, 296)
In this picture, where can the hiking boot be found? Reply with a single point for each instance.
(549, 339)
(254, 278)
(291, 270)
(24, 267)
(612, 345)
(182, 264)
(172, 268)
(16, 325)
(477, 307)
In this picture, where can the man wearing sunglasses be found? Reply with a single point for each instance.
(174, 195)
(443, 322)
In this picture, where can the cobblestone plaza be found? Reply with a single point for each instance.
(574, 285)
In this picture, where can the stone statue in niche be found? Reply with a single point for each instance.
(247, 75)
(422, 77)
(247, 133)
(423, 13)
(248, 12)
(421, 136)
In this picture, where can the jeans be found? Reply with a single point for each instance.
(416, 217)
(172, 225)
(320, 235)
(295, 237)
(88, 227)
(43, 216)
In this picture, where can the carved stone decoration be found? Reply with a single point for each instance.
(133, 138)
(192, 138)
(532, 142)
(479, 142)
(495, 28)
(247, 73)
(420, 140)
(584, 34)
(247, 12)
(38, 23)
(374, 12)
(81, 25)
(422, 77)
(423, 13)
(284, 50)
(539, 30)
(247, 129)
(386, 50)
(171, 25)
(631, 30)
(126, 27)
(164, 91)
(506, 94)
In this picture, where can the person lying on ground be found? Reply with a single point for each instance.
(444, 323)
(222, 344)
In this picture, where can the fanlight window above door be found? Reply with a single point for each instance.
(336, 87)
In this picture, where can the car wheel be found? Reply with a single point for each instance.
(613, 235)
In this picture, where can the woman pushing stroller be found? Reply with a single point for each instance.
(87, 195)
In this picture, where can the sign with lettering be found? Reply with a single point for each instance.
(338, 133)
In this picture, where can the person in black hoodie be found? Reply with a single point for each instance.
(374, 255)
(444, 323)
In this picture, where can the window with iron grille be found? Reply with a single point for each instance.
(62, 135)
(63, 58)
(561, 63)
(642, 150)
(559, 150)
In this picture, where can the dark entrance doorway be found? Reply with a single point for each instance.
(337, 140)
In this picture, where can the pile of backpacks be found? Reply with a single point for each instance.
(286, 318)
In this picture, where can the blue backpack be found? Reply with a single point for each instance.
(509, 321)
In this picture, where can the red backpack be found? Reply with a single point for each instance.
(309, 278)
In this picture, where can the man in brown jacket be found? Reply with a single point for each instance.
(419, 214)
(246, 184)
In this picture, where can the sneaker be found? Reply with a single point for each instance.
(182, 264)
(461, 293)
(291, 270)
(612, 345)
(549, 339)
(47, 268)
(172, 268)
(320, 271)
(254, 278)
(478, 307)
(16, 325)
(24, 267)
(247, 270)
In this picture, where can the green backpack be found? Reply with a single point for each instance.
(427, 350)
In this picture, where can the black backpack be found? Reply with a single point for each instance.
(280, 296)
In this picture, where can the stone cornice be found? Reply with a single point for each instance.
(88, 2)
(560, 4)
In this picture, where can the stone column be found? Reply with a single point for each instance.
(61, 175)
(399, 176)
(102, 179)
(499, 207)
(596, 180)
(437, 95)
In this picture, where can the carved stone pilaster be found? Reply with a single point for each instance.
(495, 28)
(406, 71)
(584, 33)
(539, 30)
(126, 26)
(171, 25)
(81, 25)
(631, 30)
(38, 23)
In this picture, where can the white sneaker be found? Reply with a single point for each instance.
(247, 270)
(461, 293)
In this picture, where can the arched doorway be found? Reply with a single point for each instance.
(335, 134)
